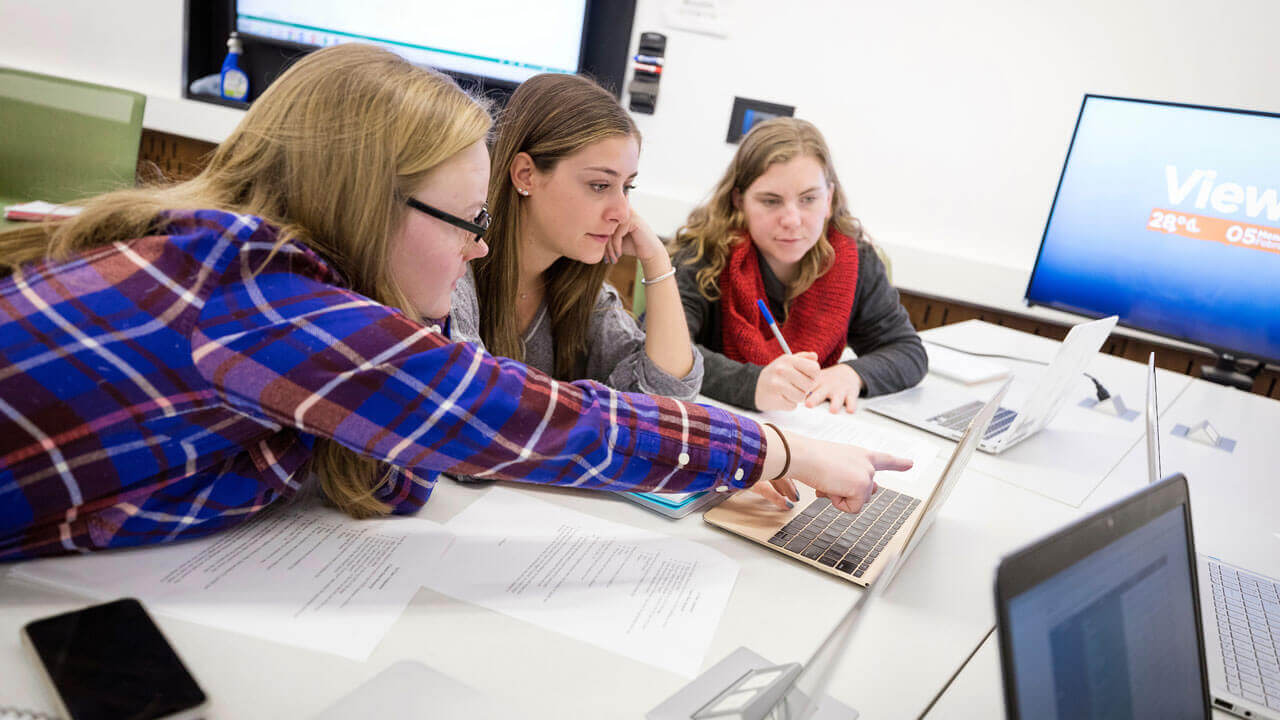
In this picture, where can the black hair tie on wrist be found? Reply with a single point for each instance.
(786, 465)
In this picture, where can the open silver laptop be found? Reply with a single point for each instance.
(851, 546)
(946, 411)
(1241, 611)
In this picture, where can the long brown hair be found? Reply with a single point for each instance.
(328, 155)
(714, 227)
(550, 117)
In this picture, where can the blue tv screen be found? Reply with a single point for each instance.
(1169, 216)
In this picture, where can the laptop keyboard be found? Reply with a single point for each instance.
(958, 418)
(1247, 607)
(848, 542)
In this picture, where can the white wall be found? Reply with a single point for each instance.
(135, 44)
(949, 120)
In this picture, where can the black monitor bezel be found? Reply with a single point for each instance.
(603, 53)
(1094, 314)
(1044, 558)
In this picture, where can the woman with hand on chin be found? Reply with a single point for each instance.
(778, 229)
(565, 157)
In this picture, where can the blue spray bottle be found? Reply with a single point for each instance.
(235, 83)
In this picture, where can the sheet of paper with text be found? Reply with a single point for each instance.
(635, 592)
(300, 575)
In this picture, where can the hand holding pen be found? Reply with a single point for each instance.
(784, 383)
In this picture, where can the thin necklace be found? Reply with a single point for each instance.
(524, 295)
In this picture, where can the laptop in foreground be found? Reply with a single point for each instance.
(852, 546)
(945, 411)
(1100, 618)
(1242, 611)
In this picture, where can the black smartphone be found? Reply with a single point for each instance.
(111, 661)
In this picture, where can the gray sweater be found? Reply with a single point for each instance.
(890, 354)
(615, 343)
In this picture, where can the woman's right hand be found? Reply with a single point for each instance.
(784, 383)
(844, 474)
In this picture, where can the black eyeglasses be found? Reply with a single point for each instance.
(478, 227)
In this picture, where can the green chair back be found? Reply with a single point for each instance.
(62, 140)
(637, 293)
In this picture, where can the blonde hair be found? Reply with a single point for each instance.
(550, 117)
(713, 228)
(328, 154)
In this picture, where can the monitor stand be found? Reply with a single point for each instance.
(1232, 371)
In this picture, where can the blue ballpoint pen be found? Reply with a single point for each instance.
(768, 317)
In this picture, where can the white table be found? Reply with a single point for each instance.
(1067, 460)
(937, 613)
(1235, 507)
(938, 610)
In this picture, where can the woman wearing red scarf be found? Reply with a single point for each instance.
(778, 228)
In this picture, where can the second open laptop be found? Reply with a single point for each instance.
(946, 411)
(1241, 611)
(852, 546)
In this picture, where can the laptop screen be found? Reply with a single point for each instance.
(1114, 634)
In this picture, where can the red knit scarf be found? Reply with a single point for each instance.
(819, 317)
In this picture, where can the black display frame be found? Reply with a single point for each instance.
(208, 23)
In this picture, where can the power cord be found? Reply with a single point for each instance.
(1101, 391)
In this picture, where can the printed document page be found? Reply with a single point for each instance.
(650, 597)
(300, 575)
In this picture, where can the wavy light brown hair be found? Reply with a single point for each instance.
(328, 154)
(549, 117)
(713, 228)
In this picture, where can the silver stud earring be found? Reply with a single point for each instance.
(523, 192)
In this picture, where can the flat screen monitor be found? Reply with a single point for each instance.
(505, 40)
(1168, 216)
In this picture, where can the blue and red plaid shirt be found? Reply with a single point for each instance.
(174, 385)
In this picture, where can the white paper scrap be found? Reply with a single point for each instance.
(635, 592)
(300, 575)
(709, 17)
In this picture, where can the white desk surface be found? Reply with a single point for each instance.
(1235, 497)
(938, 610)
(932, 619)
(978, 692)
(1234, 509)
(1094, 442)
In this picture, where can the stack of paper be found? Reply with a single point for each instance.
(958, 366)
(300, 575)
(39, 210)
